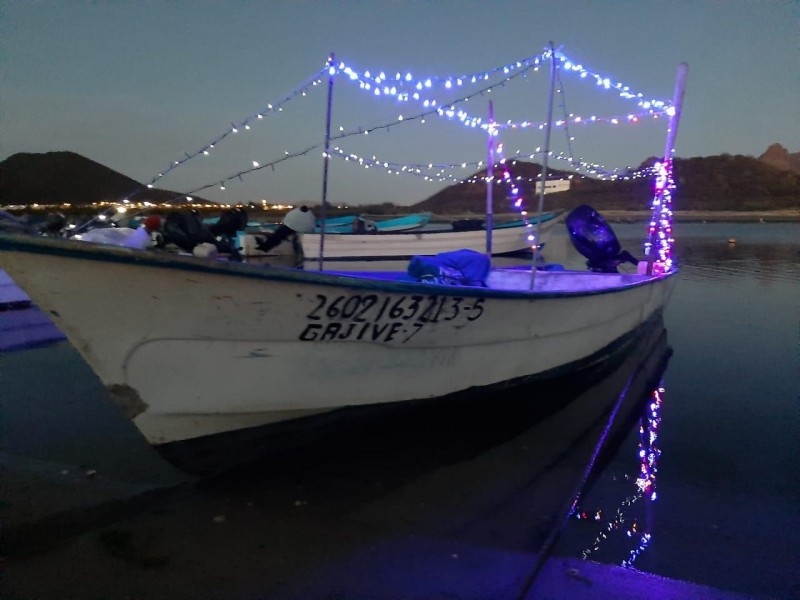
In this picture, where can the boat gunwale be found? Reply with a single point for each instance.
(349, 279)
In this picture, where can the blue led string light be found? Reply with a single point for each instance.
(404, 87)
(437, 171)
(624, 91)
(658, 246)
(402, 83)
(272, 107)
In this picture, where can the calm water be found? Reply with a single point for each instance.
(726, 508)
(726, 512)
(724, 468)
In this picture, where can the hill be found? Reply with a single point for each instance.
(778, 156)
(67, 177)
(725, 182)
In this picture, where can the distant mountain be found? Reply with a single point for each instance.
(779, 157)
(67, 177)
(471, 197)
(723, 182)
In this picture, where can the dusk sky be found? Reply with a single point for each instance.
(138, 85)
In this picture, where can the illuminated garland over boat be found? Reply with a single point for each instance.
(405, 87)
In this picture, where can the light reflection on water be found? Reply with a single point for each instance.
(629, 527)
(727, 509)
(726, 515)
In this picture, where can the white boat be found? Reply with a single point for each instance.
(352, 223)
(356, 223)
(416, 242)
(192, 347)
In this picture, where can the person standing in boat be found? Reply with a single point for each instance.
(297, 221)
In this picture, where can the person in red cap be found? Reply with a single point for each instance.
(142, 237)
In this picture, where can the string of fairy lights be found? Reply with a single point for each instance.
(426, 91)
(658, 246)
(648, 454)
(242, 125)
(405, 87)
(443, 172)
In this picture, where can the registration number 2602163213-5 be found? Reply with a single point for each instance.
(379, 318)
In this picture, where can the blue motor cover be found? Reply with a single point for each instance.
(595, 240)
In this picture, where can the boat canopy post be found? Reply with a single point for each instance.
(326, 160)
(660, 228)
(548, 127)
(490, 183)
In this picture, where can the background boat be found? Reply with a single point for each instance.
(352, 224)
(423, 241)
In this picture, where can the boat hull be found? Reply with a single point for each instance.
(405, 244)
(191, 347)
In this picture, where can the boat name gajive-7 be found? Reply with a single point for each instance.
(384, 318)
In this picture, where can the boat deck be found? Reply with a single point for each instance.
(519, 279)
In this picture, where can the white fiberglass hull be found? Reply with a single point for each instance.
(409, 243)
(192, 347)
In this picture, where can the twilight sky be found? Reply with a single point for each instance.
(138, 85)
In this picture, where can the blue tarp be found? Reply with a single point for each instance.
(459, 267)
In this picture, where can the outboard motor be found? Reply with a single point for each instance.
(594, 239)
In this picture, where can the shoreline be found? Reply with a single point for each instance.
(685, 216)
(771, 216)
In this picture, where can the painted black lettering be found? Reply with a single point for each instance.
(311, 332)
(351, 306)
(416, 301)
(393, 330)
(417, 328)
(313, 314)
(346, 334)
(435, 318)
(383, 309)
(455, 309)
(476, 306)
(331, 330)
(333, 308)
(364, 329)
(426, 316)
(378, 330)
(397, 308)
(369, 302)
